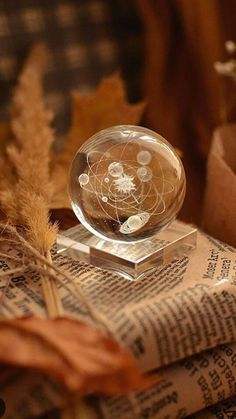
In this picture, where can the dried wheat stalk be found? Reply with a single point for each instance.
(31, 258)
(27, 202)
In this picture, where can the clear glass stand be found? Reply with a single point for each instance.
(129, 260)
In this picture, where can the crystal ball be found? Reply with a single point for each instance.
(126, 183)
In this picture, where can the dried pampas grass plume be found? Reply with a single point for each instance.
(27, 202)
(30, 153)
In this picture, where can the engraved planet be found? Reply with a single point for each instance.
(134, 223)
(126, 183)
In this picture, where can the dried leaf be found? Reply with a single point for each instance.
(105, 107)
(80, 357)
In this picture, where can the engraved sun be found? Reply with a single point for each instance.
(125, 184)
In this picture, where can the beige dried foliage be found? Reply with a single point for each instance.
(27, 200)
(7, 175)
(30, 155)
(105, 107)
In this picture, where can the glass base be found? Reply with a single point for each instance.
(130, 260)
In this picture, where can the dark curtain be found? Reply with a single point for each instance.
(183, 39)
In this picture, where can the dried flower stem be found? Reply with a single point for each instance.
(50, 290)
(44, 266)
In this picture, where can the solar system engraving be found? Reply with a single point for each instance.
(126, 183)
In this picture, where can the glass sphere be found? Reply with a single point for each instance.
(126, 183)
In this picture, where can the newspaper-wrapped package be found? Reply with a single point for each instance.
(179, 319)
(220, 199)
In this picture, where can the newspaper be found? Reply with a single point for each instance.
(224, 410)
(193, 383)
(179, 319)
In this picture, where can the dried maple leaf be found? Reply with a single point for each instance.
(105, 107)
(80, 357)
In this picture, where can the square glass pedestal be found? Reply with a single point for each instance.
(130, 260)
